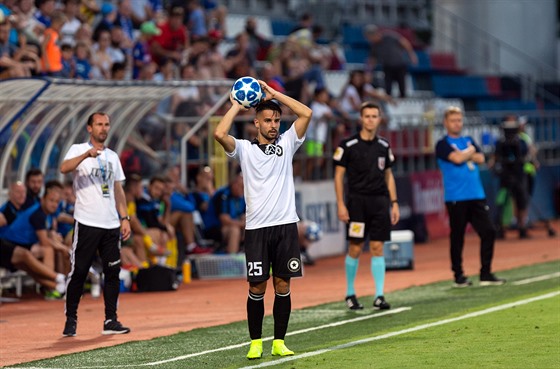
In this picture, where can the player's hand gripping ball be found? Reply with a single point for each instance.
(247, 91)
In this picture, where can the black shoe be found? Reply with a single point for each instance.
(523, 235)
(69, 328)
(380, 304)
(112, 326)
(353, 304)
(491, 280)
(461, 282)
(307, 260)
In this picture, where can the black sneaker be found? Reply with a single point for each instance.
(353, 304)
(69, 328)
(114, 327)
(491, 280)
(380, 304)
(461, 282)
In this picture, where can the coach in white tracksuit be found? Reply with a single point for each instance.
(271, 236)
(101, 220)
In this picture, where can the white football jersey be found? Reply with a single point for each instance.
(92, 208)
(268, 179)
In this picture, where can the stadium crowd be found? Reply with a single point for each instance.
(157, 40)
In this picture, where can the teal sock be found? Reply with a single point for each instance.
(378, 273)
(351, 266)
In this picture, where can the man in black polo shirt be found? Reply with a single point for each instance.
(370, 206)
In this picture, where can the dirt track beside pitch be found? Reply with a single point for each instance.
(31, 328)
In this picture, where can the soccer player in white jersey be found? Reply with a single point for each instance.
(271, 236)
(101, 220)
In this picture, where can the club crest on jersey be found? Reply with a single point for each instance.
(381, 163)
(294, 264)
(271, 149)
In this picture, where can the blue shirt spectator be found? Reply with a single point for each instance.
(23, 230)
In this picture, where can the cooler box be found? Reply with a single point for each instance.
(399, 252)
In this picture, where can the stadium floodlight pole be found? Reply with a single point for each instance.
(191, 132)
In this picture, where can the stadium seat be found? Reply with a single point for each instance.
(282, 27)
(444, 62)
(460, 86)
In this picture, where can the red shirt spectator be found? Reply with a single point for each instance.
(173, 39)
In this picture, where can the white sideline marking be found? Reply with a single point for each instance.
(404, 331)
(537, 279)
(365, 317)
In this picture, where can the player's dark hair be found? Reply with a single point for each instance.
(32, 173)
(158, 179)
(369, 105)
(50, 185)
(90, 118)
(268, 105)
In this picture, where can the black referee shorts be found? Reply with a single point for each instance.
(369, 215)
(275, 247)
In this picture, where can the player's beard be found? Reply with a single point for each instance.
(101, 137)
(270, 136)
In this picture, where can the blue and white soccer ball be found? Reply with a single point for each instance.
(313, 231)
(247, 91)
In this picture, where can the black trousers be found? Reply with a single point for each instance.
(475, 212)
(85, 245)
(397, 74)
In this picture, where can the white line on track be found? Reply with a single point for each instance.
(231, 347)
(537, 279)
(404, 331)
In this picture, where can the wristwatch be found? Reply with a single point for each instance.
(123, 218)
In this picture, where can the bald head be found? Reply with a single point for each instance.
(17, 193)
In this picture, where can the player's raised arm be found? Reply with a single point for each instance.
(221, 133)
(302, 111)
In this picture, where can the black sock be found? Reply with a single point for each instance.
(255, 314)
(281, 311)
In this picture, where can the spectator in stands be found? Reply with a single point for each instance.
(11, 65)
(181, 212)
(71, 10)
(82, 61)
(34, 181)
(173, 40)
(154, 216)
(125, 19)
(50, 49)
(196, 20)
(258, 44)
(510, 156)
(121, 46)
(317, 133)
(45, 10)
(65, 213)
(102, 60)
(228, 204)
(84, 34)
(26, 23)
(14, 257)
(109, 15)
(458, 159)
(118, 71)
(141, 52)
(141, 242)
(34, 229)
(67, 61)
(356, 91)
(368, 204)
(10, 209)
(394, 53)
(239, 61)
